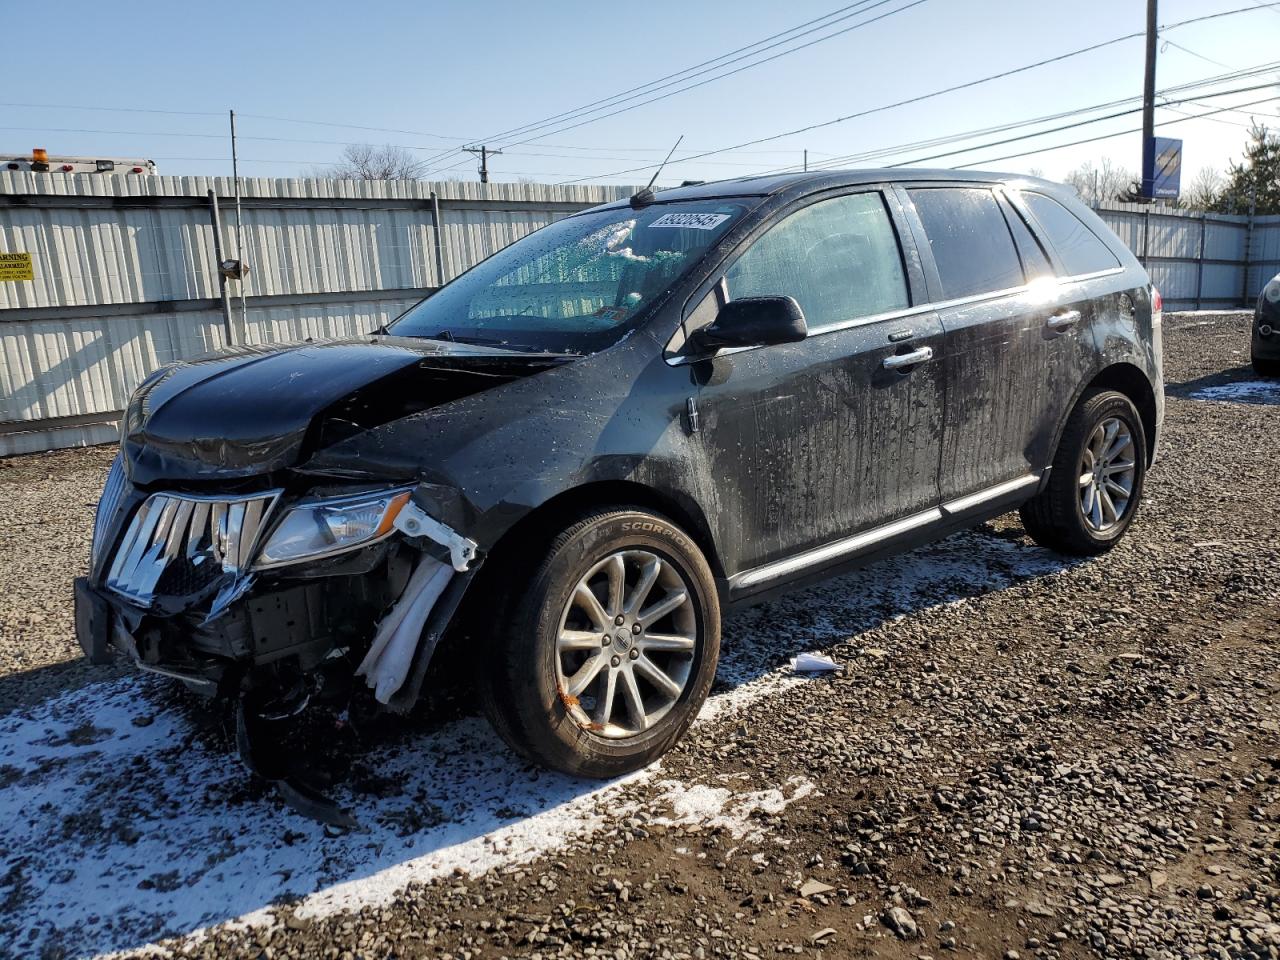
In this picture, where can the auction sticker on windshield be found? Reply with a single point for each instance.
(691, 221)
(16, 266)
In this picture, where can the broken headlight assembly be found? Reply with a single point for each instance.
(313, 530)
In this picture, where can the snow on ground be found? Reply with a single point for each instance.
(711, 807)
(120, 826)
(1244, 391)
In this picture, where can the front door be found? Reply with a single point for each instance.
(815, 441)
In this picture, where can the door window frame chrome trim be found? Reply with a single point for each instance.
(932, 307)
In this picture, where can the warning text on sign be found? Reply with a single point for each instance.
(16, 266)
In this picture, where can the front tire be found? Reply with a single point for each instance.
(609, 649)
(1096, 482)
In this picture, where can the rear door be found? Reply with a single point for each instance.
(810, 442)
(1012, 349)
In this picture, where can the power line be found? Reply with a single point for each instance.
(1192, 116)
(1243, 113)
(323, 123)
(316, 162)
(532, 128)
(1002, 128)
(605, 102)
(353, 126)
(68, 106)
(936, 93)
(865, 6)
(1069, 126)
(1107, 136)
(721, 76)
(1198, 56)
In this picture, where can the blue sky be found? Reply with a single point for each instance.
(465, 71)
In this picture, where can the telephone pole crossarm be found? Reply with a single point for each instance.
(484, 153)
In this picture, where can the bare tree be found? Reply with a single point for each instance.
(363, 161)
(1099, 184)
(1204, 189)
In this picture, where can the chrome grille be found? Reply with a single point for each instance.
(178, 544)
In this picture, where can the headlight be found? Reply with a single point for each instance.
(1272, 291)
(325, 527)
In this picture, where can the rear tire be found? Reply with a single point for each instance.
(1096, 484)
(1265, 367)
(569, 687)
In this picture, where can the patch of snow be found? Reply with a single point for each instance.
(118, 826)
(1243, 391)
(707, 806)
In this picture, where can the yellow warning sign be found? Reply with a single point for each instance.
(16, 266)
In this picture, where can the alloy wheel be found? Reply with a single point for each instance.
(626, 644)
(1108, 469)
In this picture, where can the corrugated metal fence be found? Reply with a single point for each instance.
(1199, 261)
(126, 278)
(125, 272)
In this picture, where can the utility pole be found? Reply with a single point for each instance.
(235, 176)
(1149, 107)
(484, 153)
(806, 161)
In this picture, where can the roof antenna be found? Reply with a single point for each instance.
(642, 198)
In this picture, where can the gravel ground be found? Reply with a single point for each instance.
(1021, 757)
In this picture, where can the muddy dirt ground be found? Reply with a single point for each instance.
(1022, 756)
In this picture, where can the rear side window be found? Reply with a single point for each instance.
(1034, 262)
(839, 258)
(970, 240)
(1079, 247)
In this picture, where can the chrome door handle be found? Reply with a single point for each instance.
(900, 360)
(1063, 320)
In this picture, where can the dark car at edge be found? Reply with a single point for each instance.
(568, 463)
(1264, 347)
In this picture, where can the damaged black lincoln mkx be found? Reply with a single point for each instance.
(570, 459)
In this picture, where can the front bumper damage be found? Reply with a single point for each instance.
(272, 642)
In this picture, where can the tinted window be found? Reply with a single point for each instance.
(1078, 246)
(839, 258)
(1034, 261)
(970, 240)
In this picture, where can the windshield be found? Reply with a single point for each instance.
(575, 286)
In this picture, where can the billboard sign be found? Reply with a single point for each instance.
(1164, 177)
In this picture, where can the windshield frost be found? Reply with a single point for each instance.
(575, 285)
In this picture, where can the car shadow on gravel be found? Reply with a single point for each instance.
(27, 688)
(122, 821)
(1236, 385)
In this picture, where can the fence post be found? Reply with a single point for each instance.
(1200, 261)
(435, 227)
(1248, 244)
(1146, 238)
(217, 255)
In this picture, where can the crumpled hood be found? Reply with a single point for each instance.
(253, 410)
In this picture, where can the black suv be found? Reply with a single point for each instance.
(569, 461)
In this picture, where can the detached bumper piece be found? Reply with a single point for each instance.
(399, 638)
(263, 753)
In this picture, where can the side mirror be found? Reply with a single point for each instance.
(753, 322)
